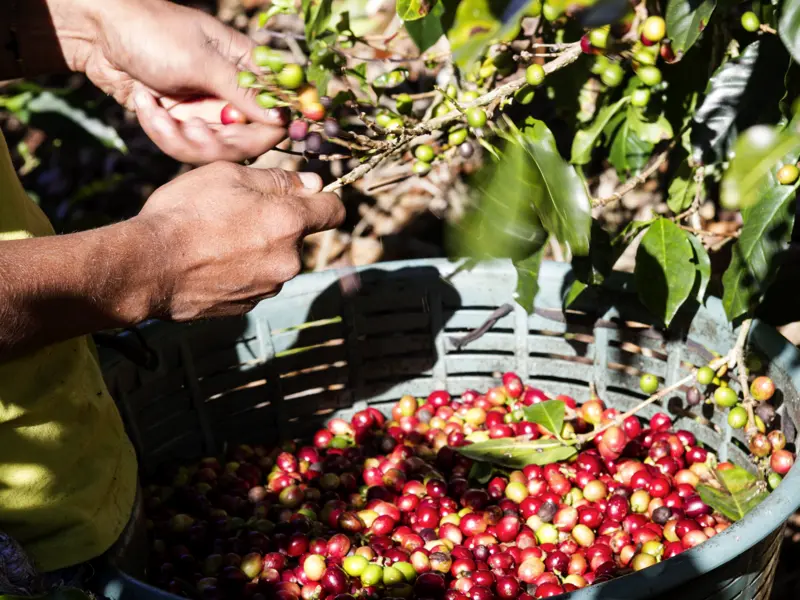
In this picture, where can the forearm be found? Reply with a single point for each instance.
(58, 287)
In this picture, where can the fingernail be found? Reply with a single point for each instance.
(311, 181)
(278, 116)
(143, 100)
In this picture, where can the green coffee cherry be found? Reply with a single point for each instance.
(725, 397)
(476, 117)
(404, 104)
(640, 97)
(424, 153)
(612, 75)
(534, 75)
(648, 383)
(750, 21)
(457, 136)
(737, 417)
(649, 75)
(705, 375)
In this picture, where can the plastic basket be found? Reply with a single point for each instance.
(312, 353)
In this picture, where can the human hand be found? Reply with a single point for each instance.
(230, 236)
(176, 67)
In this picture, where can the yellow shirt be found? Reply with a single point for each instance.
(67, 469)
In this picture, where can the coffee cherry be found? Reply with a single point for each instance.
(314, 142)
(654, 29)
(266, 100)
(314, 111)
(648, 383)
(586, 44)
(777, 440)
(404, 104)
(230, 115)
(266, 57)
(640, 97)
(612, 75)
(765, 412)
(457, 136)
(314, 567)
(649, 75)
(298, 130)
(246, 79)
(774, 480)
(331, 128)
(476, 117)
(642, 561)
(788, 174)
(525, 95)
(781, 461)
(466, 150)
(291, 77)
(599, 37)
(421, 167)
(750, 21)
(760, 446)
(469, 96)
(354, 565)
(693, 396)
(424, 153)
(737, 417)
(705, 375)
(394, 123)
(725, 397)
(535, 75)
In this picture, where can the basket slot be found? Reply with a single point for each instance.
(643, 338)
(321, 403)
(251, 398)
(539, 345)
(390, 299)
(468, 319)
(393, 345)
(295, 339)
(466, 363)
(163, 408)
(232, 378)
(311, 357)
(501, 343)
(389, 368)
(638, 363)
(392, 323)
(577, 369)
(322, 378)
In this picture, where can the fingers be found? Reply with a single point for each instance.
(323, 211)
(194, 141)
(222, 82)
(210, 109)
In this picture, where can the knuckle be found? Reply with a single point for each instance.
(289, 267)
(278, 181)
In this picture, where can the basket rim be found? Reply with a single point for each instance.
(768, 516)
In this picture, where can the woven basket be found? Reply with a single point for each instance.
(312, 353)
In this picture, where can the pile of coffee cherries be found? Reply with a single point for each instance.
(387, 507)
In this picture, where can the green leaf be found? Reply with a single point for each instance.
(517, 453)
(757, 254)
(757, 152)
(739, 493)
(559, 193)
(411, 10)
(528, 279)
(629, 153)
(481, 472)
(686, 20)
(682, 189)
(320, 77)
(427, 31)
(47, 102)
(586, 139)
(503, 223)
(480, 22)
(662, 261)
(649, 131)
(548, 414)
(789, 27)
(714, 123)
(316, 16)
(703, 265)
(631, 230)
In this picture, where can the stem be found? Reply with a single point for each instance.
(636, 181)
(738, 356)
(588, 437)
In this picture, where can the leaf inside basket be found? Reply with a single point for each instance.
(516, 453)
(549, 414)
(738, 493)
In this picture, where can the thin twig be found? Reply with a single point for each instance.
(588, 437)
(631, 184)
(704, 233)
(739, 358)
(698, 178)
